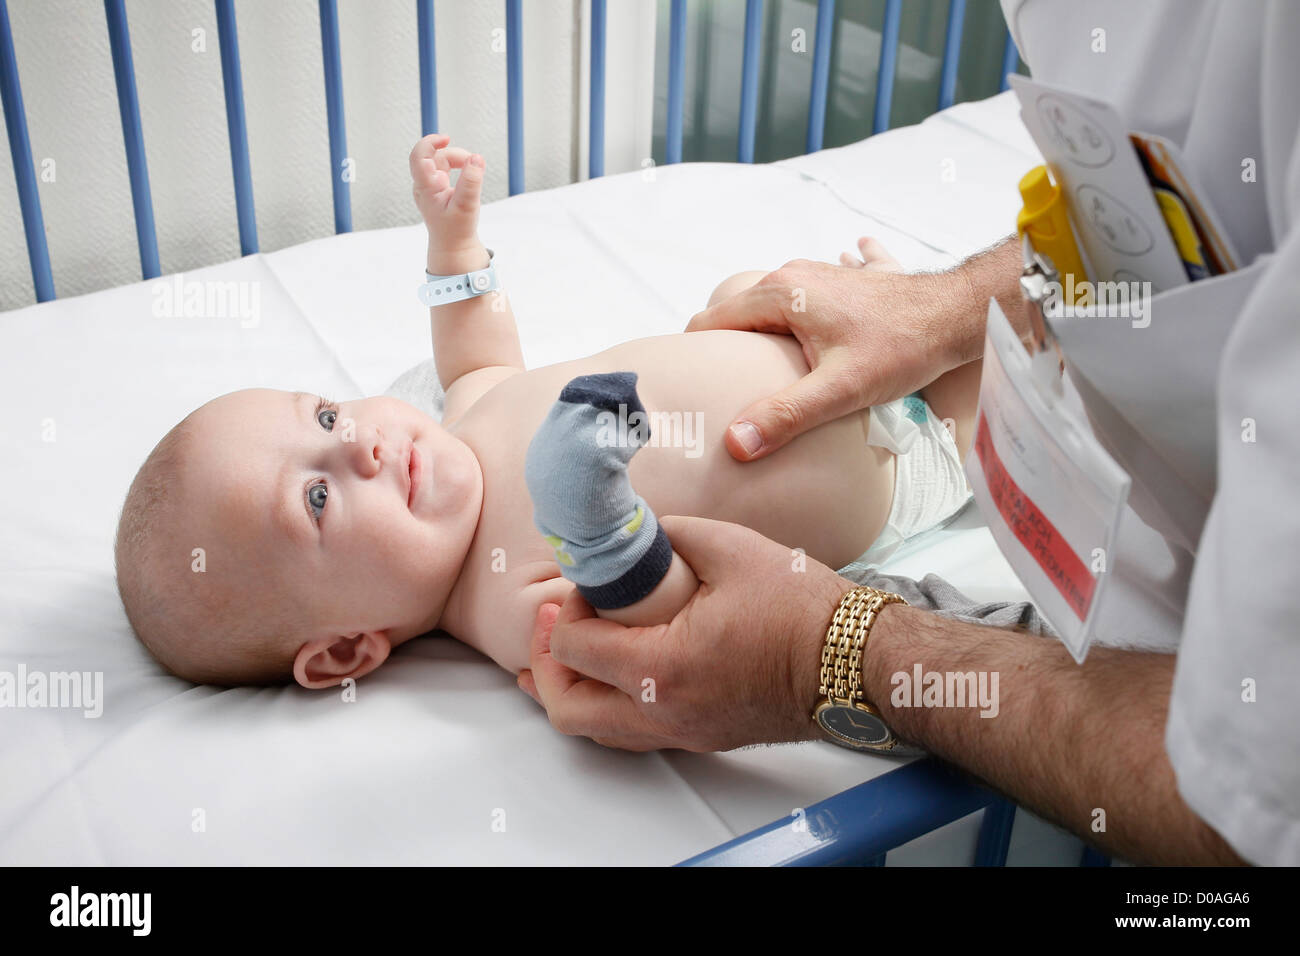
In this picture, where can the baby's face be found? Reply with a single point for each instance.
(318, 503)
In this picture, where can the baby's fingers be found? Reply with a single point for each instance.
(425, 150)
(469, 188)
(453, 157)
(876, 257)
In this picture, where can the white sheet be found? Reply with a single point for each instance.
(440, 742)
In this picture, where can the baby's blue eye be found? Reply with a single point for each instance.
(323, 413)
(316, 496)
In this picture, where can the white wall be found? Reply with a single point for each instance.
(72, 115)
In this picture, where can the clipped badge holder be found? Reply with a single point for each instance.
(1052, 496)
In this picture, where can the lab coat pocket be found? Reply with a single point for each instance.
(1148, 379)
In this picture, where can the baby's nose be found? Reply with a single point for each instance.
(369, 450)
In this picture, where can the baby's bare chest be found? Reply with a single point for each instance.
(826, 492)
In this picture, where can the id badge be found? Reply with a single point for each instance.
(1052, 496)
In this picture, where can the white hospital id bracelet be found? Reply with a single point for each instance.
(443, 290)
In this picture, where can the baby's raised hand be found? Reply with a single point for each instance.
(450, 212)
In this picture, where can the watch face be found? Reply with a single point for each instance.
(853, 726)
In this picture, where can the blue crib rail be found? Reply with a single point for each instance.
(339, 178)
(428, 67)
(860, 825)
(821, 75)
(119, 39)
(232, 81)
(596, 117)
(952, 53)
(888, 65)
(676, 79)
(749, 81)
(11, 92)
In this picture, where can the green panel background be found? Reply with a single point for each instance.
(715, 45)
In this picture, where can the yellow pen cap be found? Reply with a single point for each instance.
(1045, 220)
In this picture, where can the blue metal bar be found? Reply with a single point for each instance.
(329, 49)
(995, 834)
(1010, 60)
(676, 81)
(128, 104)
(236, 125)
(861, 824)
(515, 92)
(821, 75)
(329, 41)
(428, 71)
(749, 80)
(1091, 857)
(20, 147)
(596, 124)
(951, 53)
(888, 63)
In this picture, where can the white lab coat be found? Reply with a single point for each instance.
(1209, 550)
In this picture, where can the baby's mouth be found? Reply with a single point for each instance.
(415, 472)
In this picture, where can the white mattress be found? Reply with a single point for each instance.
(441, 741)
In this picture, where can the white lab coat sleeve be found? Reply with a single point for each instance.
(1233, 734)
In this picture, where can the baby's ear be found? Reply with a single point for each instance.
(327, 661)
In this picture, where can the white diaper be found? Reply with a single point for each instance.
(929, 481)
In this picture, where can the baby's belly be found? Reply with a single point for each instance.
(825, 494)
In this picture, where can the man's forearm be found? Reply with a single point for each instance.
(1069, 742)
(959, 300)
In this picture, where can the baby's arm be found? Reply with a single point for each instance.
(606, 538)
(475, 341)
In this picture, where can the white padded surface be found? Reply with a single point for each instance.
(439, 743)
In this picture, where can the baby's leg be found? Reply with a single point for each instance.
(954, 397)
(606, 538)
(733, 284)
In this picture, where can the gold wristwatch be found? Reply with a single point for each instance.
(845, 716)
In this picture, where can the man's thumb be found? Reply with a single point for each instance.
(822, 395)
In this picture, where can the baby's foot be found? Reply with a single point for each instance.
(873, 255)
(606, 538)
(450, 211)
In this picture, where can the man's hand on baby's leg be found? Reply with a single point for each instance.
(450, 211)
(606, 538)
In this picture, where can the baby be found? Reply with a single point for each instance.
(274, 536)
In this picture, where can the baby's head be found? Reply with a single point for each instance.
(268, 537)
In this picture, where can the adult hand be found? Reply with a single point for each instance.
(869, 334)
(862, 337)
(738, 665)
